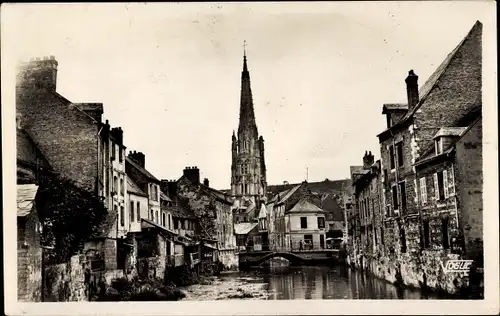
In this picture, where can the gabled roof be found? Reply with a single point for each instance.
(450, 131)
(133, 188)
(263, 211)
(304, 206)
(244, 228)
(141, 169)
(283, 196)
(25, 198)
(432, 81)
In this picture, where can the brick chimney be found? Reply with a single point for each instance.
(205, 182)
(117, 134)
(138, 157)
(193, 174)
(412, 89)
(169, 187)
(368, 160)
(40, 73)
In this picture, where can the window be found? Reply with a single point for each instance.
(395, 202)
(439, 191)
(182, 224)
(402, 190)
(389, 121)
(122, 187)
(321, 222)
(382, 235)
(403, 239)
(115, 184)
(122, 216)
(392, 158)
(439, 145)
(427, 236)
(451, 183)
(303, 222)
(120, 154)
(399, 151)
(157, 218)
(445, 184)
(163, 219)
(152, 217)
(132, 217)
(423, 190)
(169, 221)
(138, 211)
(176, 224)
(113, 151)
(444, 228)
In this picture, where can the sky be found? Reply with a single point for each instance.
(169, 74)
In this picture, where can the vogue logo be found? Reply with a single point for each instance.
(456, 266)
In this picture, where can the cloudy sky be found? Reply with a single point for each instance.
(169, 74)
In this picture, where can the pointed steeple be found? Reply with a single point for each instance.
(247, 115)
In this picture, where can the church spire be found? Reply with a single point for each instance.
(247, 115)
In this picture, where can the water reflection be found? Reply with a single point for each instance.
(284, 282)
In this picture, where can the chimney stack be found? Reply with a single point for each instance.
(38, 73)
(138, 157)
(205, 182)
(193, 174)
(412, 89)
(368, 160)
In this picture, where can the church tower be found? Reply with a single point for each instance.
(248, 168)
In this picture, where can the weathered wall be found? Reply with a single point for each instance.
(65, 282)
(29, 260)
(469, 179)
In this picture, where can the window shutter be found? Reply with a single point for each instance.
(451, 183)
(436, 187)
(424, 190)
(445, 183)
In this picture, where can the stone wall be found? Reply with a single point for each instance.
(65, 282)
(29, 260)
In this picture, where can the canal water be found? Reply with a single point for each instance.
(284, 282)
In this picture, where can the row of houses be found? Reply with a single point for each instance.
(151, 224)
(420, 204)
(295, 219)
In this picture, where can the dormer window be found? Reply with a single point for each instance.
(389, 120)
(439, 145)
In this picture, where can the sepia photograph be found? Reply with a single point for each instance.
(250, 158)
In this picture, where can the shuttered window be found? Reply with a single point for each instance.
(423, 190)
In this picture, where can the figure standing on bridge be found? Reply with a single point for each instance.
(301, 245)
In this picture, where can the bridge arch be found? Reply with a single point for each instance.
(293, 258)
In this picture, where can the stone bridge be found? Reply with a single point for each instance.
(254, 258)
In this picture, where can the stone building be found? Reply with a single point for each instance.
(213, 214)
(368, 212)
(76, 143)
(248, 168)
(449, 94)
(450, 194)
(295, 218)
(29, 250)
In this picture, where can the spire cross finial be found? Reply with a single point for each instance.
(244, 47)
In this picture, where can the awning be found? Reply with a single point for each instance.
(25, 198)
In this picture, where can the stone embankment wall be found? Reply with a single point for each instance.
(65, 282)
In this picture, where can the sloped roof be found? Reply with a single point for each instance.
(450, 131)
(141, 169)
(244, 228)
(326, 186)
(25, 147)
(394, 107)
(434, 78)
(263, 211)
(25, 198)
(304, 206)
(180, 209)
(164, 197)
(283, 196)
(329, 204)
(133, 188)
(146, 223)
